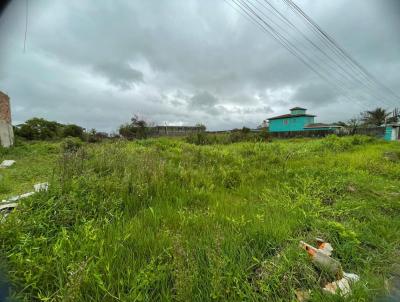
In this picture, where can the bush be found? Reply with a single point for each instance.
(94, 137)
(71, 144)
(137, 128)
(200, 138)
(72, 131)
(41, 129)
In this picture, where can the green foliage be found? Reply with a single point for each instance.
(71, 144)
(41, 129)
(234, 136)
(72, 131)
(137, 128)
(167, 220)
(94, 136)
(376, 117)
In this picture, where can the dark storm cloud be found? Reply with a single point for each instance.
(180, 62)
(120, 75)
(315, 95)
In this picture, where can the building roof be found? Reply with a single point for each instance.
(321, 125)
(289, 116)
(298, 108)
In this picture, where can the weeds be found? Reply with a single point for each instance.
(163, 219)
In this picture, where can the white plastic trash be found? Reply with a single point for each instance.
(7, 205)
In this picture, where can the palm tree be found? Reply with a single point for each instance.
(375, 117)
(395, 116)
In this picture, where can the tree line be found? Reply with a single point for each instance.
(138, 128)
(41, 129)
(371, 118)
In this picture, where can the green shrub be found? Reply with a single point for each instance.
(71, 144)
(72, 131)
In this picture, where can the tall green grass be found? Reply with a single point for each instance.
(162, 219)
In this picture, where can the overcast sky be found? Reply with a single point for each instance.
(96, 63)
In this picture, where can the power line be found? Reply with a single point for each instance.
(340, 69)
(344, 72)
(338, 49)
(299, 54)
(342, 65)
(26, 23)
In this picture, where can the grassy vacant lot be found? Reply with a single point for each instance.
(162, 219)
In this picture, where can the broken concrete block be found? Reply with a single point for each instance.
(7, 205)
(342, 286)
(44, 186)
(7, 163)
(18, 197)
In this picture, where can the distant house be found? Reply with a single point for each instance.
(298, 120)
(295, 121)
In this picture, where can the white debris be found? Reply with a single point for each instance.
(44, 186)
(342, 286)
(7, 163)
(7, 205)
(321, 257)
(38, 188)
(324, 246)
(18, 197)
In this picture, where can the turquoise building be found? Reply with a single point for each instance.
(297, 120)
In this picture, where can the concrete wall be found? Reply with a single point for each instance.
(6, 130)
(6, 134)
(392, 133)
(173, 130)
(388, 133)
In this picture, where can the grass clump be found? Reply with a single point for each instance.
(163, 219)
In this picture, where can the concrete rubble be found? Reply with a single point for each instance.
(44, 186)
(343, 286)
(6, 205)
(7, 163)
